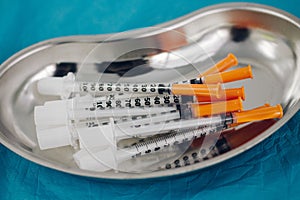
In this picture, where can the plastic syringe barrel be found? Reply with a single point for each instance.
(153, 88)
(122, 133)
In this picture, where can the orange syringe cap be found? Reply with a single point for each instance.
(266, 105)
(230, 76)
(217, 108)
(227, 94)
(268, 112)
(197, 89)
(222, 65)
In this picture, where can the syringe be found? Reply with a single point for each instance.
(223, 77)
(112, 101)
(105, 134)
(204, 148)
(59, 130)
(111, 157)
(67, 85)
(151, 129)
(59, 113)
(226, 94)
(110, 133)
(115, 102)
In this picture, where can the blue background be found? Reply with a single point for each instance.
(270, 170)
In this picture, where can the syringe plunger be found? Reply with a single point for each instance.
(57, 86)
(54, 137)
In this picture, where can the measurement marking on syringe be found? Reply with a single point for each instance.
(155, 144)
(122, 87)
(139, 101)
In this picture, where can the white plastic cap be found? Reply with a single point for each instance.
(51, 115)
(53, 137)
(96, 159)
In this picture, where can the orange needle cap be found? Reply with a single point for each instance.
(217, 108)
(197, 89)
(258, 114)
(230, 76)
(258, 108)
(222, 65)
(227, 94)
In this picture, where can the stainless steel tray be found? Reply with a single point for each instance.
(266, 38)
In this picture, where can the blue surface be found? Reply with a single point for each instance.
(271, 170)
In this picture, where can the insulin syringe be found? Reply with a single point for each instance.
(114, 101)
(144, 101)
(67, 85)
(111, 156)
(203, 86)
(122, 101)
(59, 114)
(204, 148)
(111, 133)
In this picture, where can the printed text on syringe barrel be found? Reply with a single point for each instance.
(115, 102)
(152, 88)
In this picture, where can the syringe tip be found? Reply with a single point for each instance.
(232, 59)
(280, 111)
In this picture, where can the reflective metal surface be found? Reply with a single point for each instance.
(264, 37)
